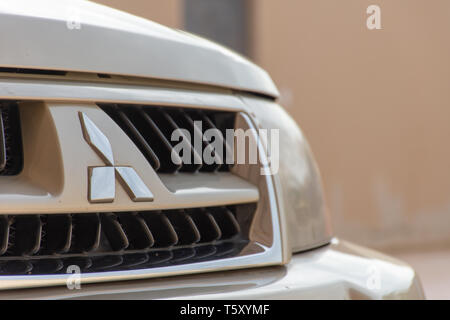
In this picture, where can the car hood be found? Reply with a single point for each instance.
(74, 35)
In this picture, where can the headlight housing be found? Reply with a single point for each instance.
(303, 214)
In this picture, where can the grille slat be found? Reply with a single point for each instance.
(227, 221)
(166, 127)
(207, 147)
(58, 233)
(86, 232)
(151, 128)
(170, 160)
(125, 123)
(161, 228)
(184, 226)
(195, 162)
(137, 231)
(227, 149)
(207, 225)
(27, 235)
(148, 151)
(114, 232)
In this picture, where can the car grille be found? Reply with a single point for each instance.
(151, 129)
(98, 242)
(11, 161)
(204, 216)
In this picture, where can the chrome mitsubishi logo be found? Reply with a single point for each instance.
(102, 180)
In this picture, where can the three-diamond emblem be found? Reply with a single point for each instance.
(102, 179)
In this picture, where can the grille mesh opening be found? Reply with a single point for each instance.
(98, 242)
(33, 71)
(151, 130)
(11, 158)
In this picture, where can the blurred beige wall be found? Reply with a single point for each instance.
(167, 12)
(375, 105)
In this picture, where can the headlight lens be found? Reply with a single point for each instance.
(297, 181)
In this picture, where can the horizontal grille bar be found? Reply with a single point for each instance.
(30, 244)
(122, 261)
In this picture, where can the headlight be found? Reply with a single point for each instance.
(303, 213)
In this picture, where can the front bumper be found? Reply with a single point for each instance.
(340, 270)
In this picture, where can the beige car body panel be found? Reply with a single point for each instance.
(184, 71)
(114, 42)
